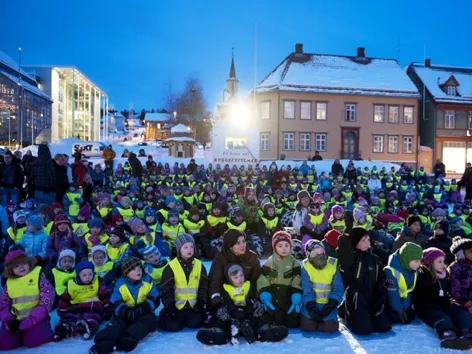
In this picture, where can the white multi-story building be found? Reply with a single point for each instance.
(79, 105)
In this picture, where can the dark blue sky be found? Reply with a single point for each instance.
(132, 48)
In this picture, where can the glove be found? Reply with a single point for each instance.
(296, 303)
(403, 316)
(266, 299)
(144, 308)
(217, 301)
(328, 308)
(222, 314)
(25, 324)
(13, 326)
(258, 309)
(313, 311)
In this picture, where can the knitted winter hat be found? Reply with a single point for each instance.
(12, 259)
(99, 248)
(35, 220)
(217, 205)
(66, 253)
(173, 212)
(337, 209)
(149, 212)
(56, 205)
(126, 202)
(281, 236)
(438, 212)
(181, 240)
(357, 234)
(135, 223)
(430, 254)
(236, 211)
(331, 237)
(460, 244)
(130, 264)
(119, 231)
(96, 222)
(83, 265)
(455, 220)
(61, 219)
(151, 249)
(409, 252)
(18, 214)
(303, 194)
(231, 269)
(230, 238)
(85, 212)
(358, 213)
(169, 200)
(412, 219)
(362, 202)
(443, 225)
(312, 245)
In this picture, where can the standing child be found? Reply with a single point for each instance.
(28, 295)
(83, 305)
(35, 240)
(134, 300)
(279, 285)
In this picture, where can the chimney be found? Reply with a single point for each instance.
(427, 63)
(360, 52)
(299, 48)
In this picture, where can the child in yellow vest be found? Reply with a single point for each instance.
(184, 289)
(134, 300)
(17, 229)
(154, 263)
(97, 234)
(28, 295)
(80, 226)
(102, 265)
(118, 247)
(336, 220)
(83, 305)
(172, 228)
(195, 226)
(63, 272)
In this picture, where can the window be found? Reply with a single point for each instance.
(350, 115)
(289, 109)
(470, 120)
(234, 143)
(393, 144)
(408, 115)
(289, 141)
(321, 108)
(407, 144)
(264, 141)
(378, 143)
(265, 110)
(320, 142)
(305, 110)
(393, 114)
(451, 91)
(450, 120)
(305, 141)
(379, 111)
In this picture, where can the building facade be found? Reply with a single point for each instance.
(25, 110)
(78, 103)
(446, 112)
(154, 126)
(346, 107)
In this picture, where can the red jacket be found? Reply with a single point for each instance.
(80, 170)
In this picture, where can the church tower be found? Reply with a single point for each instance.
(232, 82)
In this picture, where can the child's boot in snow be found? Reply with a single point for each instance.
(235, 325)
(62, 331)
(85, 330)
(271, 333)
(127, 344)
(212, 336)
(105, 347)
(248, 332)
(449, 340)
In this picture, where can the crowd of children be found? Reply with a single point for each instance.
(373, 247)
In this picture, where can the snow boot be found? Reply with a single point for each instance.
(271, 333)
(102, 348)
(248, 332)
(62, 331)
(449, 340)
(127, 344)
(467, 333)
(212, 336)
(84, 329)
(235, 325)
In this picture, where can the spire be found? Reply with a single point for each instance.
(232, 71)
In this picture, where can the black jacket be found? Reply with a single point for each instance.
(337, 169)
(11, 176)
(426, 295)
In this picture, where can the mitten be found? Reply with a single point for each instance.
(328, 308)
(266, 299)
(13, 325)
(217, 301)
(257, 309)
(313, 311)
(296, 303)
(222, 314)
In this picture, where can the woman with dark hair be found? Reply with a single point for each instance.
(337, 169)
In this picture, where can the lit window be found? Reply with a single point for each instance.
(379, 111)
(393, 144)
(408, 115)
(393, 114)
(378, 143)
(321, 108)
(450, 120)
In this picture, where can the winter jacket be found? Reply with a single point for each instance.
(98, 176)
(133, 287)
(406, 236)
(57, 243)
(43, 175)
(427, 293)
(318, 229)
(35, 245)
(396, 302)
(350, 174)
(62, 179)
(374, 185)
(461, 280)
(79, 170)
(248, 261)
(11, 176)
(136, 166)
(109, 154)
(4, 223)
(336, 169)
(281, 277)
(299, 219)
(250, 211)
(168, 284)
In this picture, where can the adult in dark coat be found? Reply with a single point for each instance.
(43, 177)
(136, 165)
(439, 169)
(11, 179)
(27, 162)
(337, 169)
(317, 156)
(467, 181)
(364, 280)
(62, 179)
(351, 173)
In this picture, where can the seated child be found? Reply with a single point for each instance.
(184, 288)
(97, 234)
(410, 233)
(63, 272)
(315, 223)
(28, 295)
(171, 229)
(195, 226)
(83, 305)
(336, 220)
(17, 229)
(441, 240)
(80, 226)
(154, 264)
(100, 261)
(35, 240)
(330, 242)
(320, 306)
(134, 300)
(118, 247)
(143, 236)
(460, 271)
(279, 285)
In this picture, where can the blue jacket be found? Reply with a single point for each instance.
(35, 244)
(304, 169)
(396, 302)
(4, 220)
(326, 184)
(133, 288)
(337, 293)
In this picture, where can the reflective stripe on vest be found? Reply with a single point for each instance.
(82, 293)
(402, 287)
(238, 295)
(80, 229)
(24, 293)
(143, 292)
(186, 291)
(322, 279)
(61, 279)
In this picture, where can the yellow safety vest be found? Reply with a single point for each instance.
(80, 228)
(316, 219)
(322, 279)
(82, 293)
(238, 295)
(24, 293)
(114, 253)
(339, 225)
(144, 238)
(126, 213)
(61, 279)
(104, 211)
(193, 227)
(171, 232)
(143, 292)
(156, 273)
(48, 227)
(191, 199)
(19, 233)
(215, 220)
(186, 291)
(270, 224)
(402, 288)
(164, 213)
(74, 206)
(102, 270)
(103, 238)
(241, 227)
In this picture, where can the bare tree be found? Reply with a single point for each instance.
(170, 98)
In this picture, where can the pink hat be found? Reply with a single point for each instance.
(430, 254)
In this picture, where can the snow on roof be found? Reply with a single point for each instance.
(27, 86)
(437, 75)
(339, 74)
(181, 138)
(157, 117)
(8, 61)
(180, 128)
